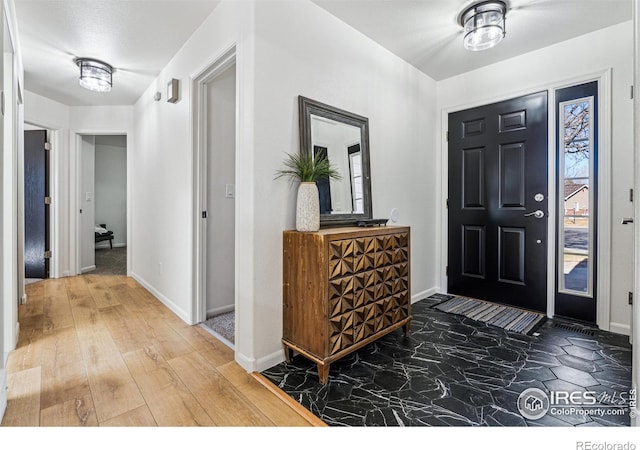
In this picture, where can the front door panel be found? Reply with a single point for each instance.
(497, 181)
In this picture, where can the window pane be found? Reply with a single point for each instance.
(576, 254)
(575, 187)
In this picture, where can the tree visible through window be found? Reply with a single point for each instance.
(576, 172)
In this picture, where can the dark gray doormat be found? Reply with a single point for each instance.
(223, 325)
(506, 317)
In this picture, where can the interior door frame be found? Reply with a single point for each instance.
(75, 190)
(603, 78)
(199, 82)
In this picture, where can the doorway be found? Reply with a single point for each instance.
(218, 199)
(497, 206)
(103, 204)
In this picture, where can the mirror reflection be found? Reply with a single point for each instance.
(340, 144)
(343, 138)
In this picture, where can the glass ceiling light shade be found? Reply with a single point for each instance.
(95, 75)
(483, 24)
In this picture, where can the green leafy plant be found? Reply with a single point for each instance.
(308, 168)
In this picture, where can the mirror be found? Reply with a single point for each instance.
(342, 137)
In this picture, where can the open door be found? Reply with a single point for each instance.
(36, 204)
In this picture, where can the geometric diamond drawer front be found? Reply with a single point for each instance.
(343, 288)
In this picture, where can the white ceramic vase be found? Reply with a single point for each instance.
(308, 207)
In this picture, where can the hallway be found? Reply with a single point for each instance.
(100, 350)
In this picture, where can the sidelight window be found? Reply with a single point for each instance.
(576, 200)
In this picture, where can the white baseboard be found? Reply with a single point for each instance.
(220, 310)
(620, 328)
(249, 364)
(269, 361)
(88, 269)
(424, 294)
(162, 299)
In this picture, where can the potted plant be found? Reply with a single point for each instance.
(307, 169)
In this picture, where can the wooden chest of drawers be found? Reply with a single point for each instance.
(343, 288)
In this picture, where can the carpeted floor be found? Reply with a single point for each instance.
(223, 325)
(111, 261)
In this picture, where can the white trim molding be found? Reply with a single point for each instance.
(635, 316)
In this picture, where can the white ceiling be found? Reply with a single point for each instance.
(138, 37)
(426, 33)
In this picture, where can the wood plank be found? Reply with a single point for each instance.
(23, 398)
(87, 376)
(113, 388)
(220, 399)
(164, 338)
(56, 308)
(216, 352)
(35, 301)
(265, 401)
(139, 417)
(63, 372)
(28, 352)
(77, 287)
(75, 412)
(125, 328)
(168, 399)
(100, 292)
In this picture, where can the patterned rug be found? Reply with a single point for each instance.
(506, 317)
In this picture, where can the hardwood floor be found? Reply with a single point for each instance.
(100, 350)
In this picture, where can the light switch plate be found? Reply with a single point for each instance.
(230, 191)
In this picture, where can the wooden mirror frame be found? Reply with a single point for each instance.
(308, 107)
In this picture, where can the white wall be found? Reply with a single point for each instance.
(163, 186)
(51, 115)
(87, 204)
(326, 61)
(111, 187)
(334, 64)
(11, 82)
(584, 56)
(221, 115)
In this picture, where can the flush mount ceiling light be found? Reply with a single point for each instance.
(483, 24)
(95, 75)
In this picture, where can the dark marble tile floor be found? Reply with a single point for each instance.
(453, 371)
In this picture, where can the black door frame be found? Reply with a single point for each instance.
(604, 176)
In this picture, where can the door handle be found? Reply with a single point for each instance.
(537, 214)
(627, 220)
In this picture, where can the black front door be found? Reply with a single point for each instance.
(498, 202)
(36, 211)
